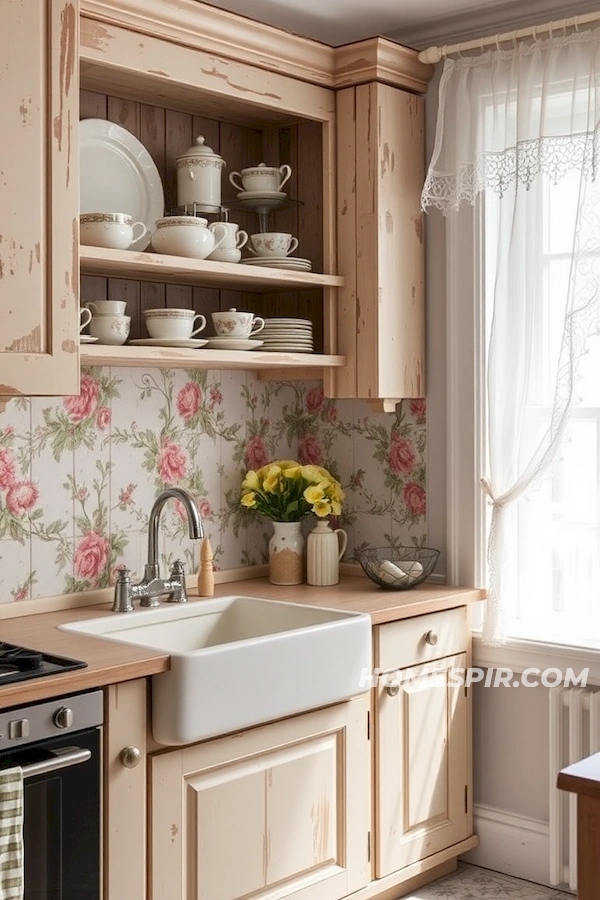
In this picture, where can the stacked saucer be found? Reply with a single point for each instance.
(288, 335)
(295, 263)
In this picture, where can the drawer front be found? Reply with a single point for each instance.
(421, 638)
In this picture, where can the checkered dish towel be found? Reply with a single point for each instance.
(11, 834)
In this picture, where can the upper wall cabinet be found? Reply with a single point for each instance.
(380, 170)
(39, 184)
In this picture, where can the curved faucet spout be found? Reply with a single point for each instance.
(193, 517)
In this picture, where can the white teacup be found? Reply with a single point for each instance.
(234, 237)
(173, 324)
(114, 230)
(261, 178)
(110, 329)
(273, 243)
(107, 307)
(234, 323)
(85, 318)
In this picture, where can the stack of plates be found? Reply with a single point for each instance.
(295, 263)
(288, 335)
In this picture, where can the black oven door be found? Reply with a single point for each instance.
(61, 816)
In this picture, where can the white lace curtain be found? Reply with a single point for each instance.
(512, 123)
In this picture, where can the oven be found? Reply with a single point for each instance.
(57, 744)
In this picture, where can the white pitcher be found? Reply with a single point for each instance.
(324, 549)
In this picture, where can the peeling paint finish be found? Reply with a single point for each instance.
(75, 258)
(418, 223)
(7, 390)
(29, 343)
(385, 159)
(94, 35)
(238, 87)
(25, 110)
(344, 209)
(174, 832)
(68, 33)
(159, 72)
(68, 346)
(389, 222)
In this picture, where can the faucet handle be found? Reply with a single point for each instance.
(122, 601)
(178, 594)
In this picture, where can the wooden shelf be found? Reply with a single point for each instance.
(206, 273)
(171, 358)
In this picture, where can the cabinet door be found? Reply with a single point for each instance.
(39, 190)
(422, 763)
(277, 810)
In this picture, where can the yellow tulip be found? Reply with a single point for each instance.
(249, 499)
(322, 508)
(314, 493)
(251, 481)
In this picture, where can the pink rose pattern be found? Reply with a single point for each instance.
(172, 462)
(91, 556)
(83, 405)
(188, 401)
(183, 429)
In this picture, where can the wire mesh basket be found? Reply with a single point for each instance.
(398, 568)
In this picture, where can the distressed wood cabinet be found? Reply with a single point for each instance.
(283, 807)
(422, 739)
(39, 277)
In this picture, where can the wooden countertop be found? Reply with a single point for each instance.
(110, 662)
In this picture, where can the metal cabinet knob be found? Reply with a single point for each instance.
(392, 688)
(63, 717)
(130, 757)
(431, 638)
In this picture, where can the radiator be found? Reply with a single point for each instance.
(574, 734)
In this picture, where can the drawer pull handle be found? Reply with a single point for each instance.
(392, 688)
(130, 757)
(431, 638)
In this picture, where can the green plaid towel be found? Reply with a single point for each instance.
(11, 834)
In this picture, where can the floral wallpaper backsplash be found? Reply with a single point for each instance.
(78, 475)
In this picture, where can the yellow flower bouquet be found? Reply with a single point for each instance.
(285, 491)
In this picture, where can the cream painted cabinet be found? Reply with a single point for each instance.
(380, 172)
(39, 185)
(422, 740)
(283, 808)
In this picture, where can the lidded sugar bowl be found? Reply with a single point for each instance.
(199, 177)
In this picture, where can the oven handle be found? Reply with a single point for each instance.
(62, 759)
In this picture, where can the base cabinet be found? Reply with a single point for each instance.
(422, 741)
(278, 810)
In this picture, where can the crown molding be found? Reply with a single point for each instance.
(380, 59)
(488, 19)
(194, 24)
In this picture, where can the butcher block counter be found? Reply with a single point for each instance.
(109, 662)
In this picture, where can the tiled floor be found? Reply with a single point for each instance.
(473, 883)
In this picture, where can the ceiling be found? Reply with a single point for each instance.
(416, 23)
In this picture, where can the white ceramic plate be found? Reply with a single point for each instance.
(262, 195)
(190, 343)
(283, 321)
(118, 175)
(262, 260)
(233, 344)
(87, 339)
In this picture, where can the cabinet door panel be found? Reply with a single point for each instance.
(422, 763)
(277, 810)
(39, 276)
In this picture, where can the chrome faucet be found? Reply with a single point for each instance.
(152, 586)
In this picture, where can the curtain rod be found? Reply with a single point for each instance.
(435, 54)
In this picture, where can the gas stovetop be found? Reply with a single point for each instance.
(21, 663)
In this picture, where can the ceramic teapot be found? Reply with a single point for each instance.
(324, 549)
(199, 177)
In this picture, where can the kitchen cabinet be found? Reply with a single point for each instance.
(168, 72)
(284, 807)
(39, 279)
(380, 172)
(422, 739)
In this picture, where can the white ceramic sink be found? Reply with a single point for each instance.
(239, 661)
